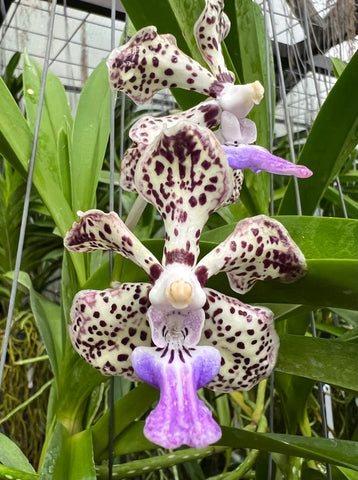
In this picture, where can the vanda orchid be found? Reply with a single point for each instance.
(150, 62)
(174, 333)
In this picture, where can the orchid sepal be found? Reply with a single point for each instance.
(260, 248)
(97, 230)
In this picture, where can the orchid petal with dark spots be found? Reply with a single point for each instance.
(210, 30)
(258, 158)
(106, 326)
(185, 175)
(246, 338)
(180, 417)
(106, 231)
(259, 248)
(147, 128)
(150, 62)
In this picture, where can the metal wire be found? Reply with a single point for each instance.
(285, 105)
(111, 208)
(27, 195)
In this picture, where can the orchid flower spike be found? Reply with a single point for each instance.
(150, 62)
(171, 331)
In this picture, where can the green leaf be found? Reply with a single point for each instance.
(48, 320)
(332, 195)
(90, 137)
(325, 360)
(150, 464)
(338, 66)
(69, 457)
(332, 137)
(8, 473)
(16, 145)
(12, 456)
(337, 452)
(55, 114)
(126, 410)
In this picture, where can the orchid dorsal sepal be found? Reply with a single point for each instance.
(185, 175)
(259, 159)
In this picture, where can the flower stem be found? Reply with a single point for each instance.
(135, 212)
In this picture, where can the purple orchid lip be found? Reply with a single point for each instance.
(258, 158)
(180, 417)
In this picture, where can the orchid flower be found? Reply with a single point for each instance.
(150, 62)
(172, 332)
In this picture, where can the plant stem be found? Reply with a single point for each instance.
(135, 212)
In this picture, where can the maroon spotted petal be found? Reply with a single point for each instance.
(260, 248)
(147, 128)
(185, 175)
(246, 339)
(106, 231)
(128, 165)
(108, 324)
(150, 62)
(210, 30)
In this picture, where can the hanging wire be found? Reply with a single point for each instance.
(285, 104)
(2, 9)
(27, 194)
(111, 208)
(122, 120)
(270, 109)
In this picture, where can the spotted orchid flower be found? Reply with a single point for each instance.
(150, 62)
(172, 332)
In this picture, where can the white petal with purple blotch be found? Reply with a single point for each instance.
(246, 339)
(185, 175)
(260, 248)
(180, 417)
(97, 230)
(211, 28)
(106, 326)
(150, 62)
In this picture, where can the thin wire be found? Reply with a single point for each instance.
(25, 212)
(3, 9)
(111, 207)
(270, 109)
(321, 399)
(285, 105)
(122, 121)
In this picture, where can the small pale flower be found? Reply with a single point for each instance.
(172, 332)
